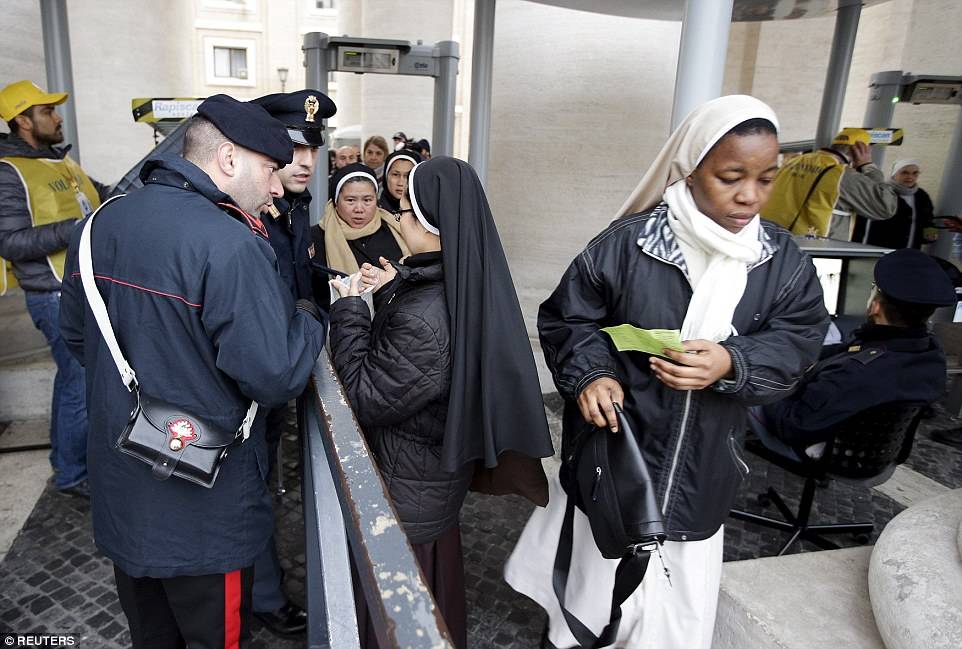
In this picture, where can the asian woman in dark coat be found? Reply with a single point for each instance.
(443, 379)
(354, 230)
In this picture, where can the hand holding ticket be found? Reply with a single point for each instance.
(628, 337)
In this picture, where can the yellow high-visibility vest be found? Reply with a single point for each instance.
(805, 192)
(52, 187)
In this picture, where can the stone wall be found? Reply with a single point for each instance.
(116, 59)
(105, 39)
(384, 104)
(578, 112)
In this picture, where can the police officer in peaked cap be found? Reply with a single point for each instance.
(892, 357)
(208, 326)
(288, 225)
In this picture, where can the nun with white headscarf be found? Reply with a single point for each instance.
(911, 225)
(687, 252)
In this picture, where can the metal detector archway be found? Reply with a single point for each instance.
(324, 54)
(889, 88)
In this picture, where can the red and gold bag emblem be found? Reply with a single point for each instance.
(182, 431)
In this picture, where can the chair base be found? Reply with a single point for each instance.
(798, 524)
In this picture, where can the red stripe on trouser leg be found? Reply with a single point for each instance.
(232, 612)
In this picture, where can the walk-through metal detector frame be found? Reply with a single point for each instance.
(324, 54)
(891, 87)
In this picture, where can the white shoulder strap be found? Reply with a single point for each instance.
(99, 310)
(96, 301)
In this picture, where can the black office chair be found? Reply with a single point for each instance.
(866, 449)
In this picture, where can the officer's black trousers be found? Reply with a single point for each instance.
(205, 612)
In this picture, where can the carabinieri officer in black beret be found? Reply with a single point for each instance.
(288, 225)
(199, 311)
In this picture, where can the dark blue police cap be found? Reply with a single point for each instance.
(912, 276)
(301, 112)
(248, 125)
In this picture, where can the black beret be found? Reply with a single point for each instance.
(248, 125)
(913, 277)
(301, 112)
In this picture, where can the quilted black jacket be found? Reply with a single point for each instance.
(397, 373)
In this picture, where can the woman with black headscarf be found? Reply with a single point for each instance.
(394, 182)
(443, 380)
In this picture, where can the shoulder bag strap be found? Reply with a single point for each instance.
(628, 576)
(99, 309)
(96, 301)
(811, 190)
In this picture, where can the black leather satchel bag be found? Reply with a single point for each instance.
(172, 441)
(615, 491)
(612, 486)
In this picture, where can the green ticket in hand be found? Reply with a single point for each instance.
(629, 338)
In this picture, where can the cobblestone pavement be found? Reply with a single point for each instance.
(53, 579)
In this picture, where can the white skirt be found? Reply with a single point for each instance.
(658, 615)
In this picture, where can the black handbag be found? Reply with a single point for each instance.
(172, 441)
(612, 486)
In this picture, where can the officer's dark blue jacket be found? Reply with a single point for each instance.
(205, 321)
(290, 237)
(880, 364)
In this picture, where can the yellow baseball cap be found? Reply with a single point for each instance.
(21, 95)
(852, 135)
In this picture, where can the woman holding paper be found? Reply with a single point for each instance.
(354, 229)
(443, 380)
(687, 252)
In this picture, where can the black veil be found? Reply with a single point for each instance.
(495, 402)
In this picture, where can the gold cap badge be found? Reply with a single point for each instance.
(310, 107)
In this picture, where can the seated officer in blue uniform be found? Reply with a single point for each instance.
(893, 357)
(288, 224)
(201, 314)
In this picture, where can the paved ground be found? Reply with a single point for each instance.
(53, 580)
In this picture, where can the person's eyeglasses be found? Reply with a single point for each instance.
(397, 215)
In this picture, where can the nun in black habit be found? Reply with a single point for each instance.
(443, 381)
(394, 183)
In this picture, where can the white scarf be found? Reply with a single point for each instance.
(717, 261)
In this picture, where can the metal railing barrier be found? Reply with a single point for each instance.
(347, 511)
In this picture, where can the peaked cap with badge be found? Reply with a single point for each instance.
(911, 276)
(302, 112)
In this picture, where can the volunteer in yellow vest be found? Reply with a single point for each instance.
(819, 192)
(43, 194)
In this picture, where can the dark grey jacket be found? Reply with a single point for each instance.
(635, 273)
(397, 372)
(20, 243)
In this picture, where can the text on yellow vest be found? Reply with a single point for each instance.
(51, 187)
